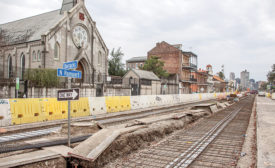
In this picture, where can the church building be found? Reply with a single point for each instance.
(50, 39)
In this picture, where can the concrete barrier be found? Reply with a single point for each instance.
(21, 111)
(97, 105)
(5, 113)
(273, 96)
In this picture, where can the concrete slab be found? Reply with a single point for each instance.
(27, 158)
(226, 103)
(60, 149)
(222, 105)
(265, 132)
(92, 147)
(84, 124)
(214, 108)
(153, 119)
(204, 105)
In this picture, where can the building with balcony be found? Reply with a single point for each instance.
(201, 86)
(179, 64)
(135, 62)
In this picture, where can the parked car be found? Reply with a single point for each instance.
(261, 93)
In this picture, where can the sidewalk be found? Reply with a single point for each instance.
(266, 132)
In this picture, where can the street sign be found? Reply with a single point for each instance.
(69, 73)
(68, 94)
(70, 65)
(17, 83)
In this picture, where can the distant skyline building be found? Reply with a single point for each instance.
(232, 76)
(245, 79)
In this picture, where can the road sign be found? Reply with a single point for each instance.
(68, 94)
(69, 73)
(70, 65)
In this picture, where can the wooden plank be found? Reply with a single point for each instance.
(27, 158)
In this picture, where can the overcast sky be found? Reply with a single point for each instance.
(237, 33)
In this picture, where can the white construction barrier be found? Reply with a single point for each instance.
(97, 105)
(5, 114)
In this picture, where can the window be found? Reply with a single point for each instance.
(22, 65)
(141, 65)
(38, 55)
(56, 51)
(99, 58)
(34, 56)
(10, 72)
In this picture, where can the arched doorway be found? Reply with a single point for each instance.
(83, 66)
(81, 69)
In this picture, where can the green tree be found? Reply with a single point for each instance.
(155, 65)
(221, 75)
(271, 74)
(116, 67)
(42, 77)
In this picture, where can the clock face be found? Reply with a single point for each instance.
(80, 36)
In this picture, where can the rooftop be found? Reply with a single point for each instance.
(29, 29)
(218, 78)
(142, 74)
(137, 59)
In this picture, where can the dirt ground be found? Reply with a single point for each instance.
(140, 139)
(53, 163)
(249, 150)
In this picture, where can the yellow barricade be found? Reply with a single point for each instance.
(80, 108)
(125, 103)
(112, 104)
(26, 111)
(55, 110)
(117, 103)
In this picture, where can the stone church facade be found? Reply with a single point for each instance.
(50, 39)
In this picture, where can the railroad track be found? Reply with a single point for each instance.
(215, 142)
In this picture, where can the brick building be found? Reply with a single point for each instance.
(202, 85)
(179, 64)
(135, 62)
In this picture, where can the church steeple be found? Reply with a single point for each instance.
(67, 5)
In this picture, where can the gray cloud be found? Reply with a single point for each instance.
(238, 34)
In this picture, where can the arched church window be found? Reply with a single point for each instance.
(34, 56)
(99, 77)
(99, 58)
(10, 71)
(38, 55)
(22, 66)
(56, 50)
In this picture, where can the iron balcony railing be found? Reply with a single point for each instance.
(189, 66)
(189, 80)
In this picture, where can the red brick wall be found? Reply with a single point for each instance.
(171, 56)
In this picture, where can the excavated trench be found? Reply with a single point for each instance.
(140, 139)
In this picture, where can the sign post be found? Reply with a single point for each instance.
(69, 94)
(17, 87)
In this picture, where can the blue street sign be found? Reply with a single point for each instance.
(69, 73)
(70, 65)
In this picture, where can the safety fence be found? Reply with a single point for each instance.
(31, 110)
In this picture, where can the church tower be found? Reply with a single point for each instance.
(67, 5)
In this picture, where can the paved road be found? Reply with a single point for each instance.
(266, 132)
